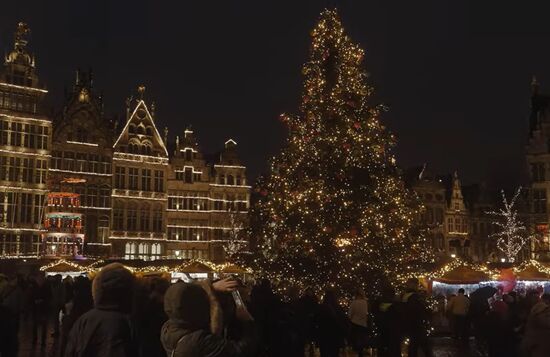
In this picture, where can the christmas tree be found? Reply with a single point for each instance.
(334, 211)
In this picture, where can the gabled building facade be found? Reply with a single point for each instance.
(25, 144)
(207, 202)
(140, 167)
(82, 151)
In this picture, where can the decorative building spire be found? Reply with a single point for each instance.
(20, 37)
(165, 135)
(19, 63)
(153, 107)
(141, 91)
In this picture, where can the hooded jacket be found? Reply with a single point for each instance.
(106, 330)
(536, 342)
(194, 328)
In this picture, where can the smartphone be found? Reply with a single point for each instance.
(237, 297)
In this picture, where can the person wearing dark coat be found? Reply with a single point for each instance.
(415, 317)
(388, 323)
(333, 326)
(308, 307)
(106, 330)
(80, 302)
(149, 316)
(193, 328)
(40, 296)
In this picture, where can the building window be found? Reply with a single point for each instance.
(68, 161)
(146, 180)
(143, 250)
(157, 221)
(57, 159)
(230, 180)
(38, 208)
(133, 178)
(159, 181)
(188, 175)
(538, 172)
(131, 223)
(188, 154)
(40, 172)
(103, 229)
(28, 166)
(26, 207)
(91, 197)
(450, 224)
(104, 197)
(130, 251)
(155, 250)
(120, 173)
(221, 180)
(539, 201)
(144, 219)
(118, 218)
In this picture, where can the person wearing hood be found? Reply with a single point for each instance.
(536, 342)
(194, 327)
(106, 329)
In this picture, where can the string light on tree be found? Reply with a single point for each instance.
(513, 234)
(334, 211)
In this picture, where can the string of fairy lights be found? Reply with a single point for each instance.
(334, 209)
(192, 266)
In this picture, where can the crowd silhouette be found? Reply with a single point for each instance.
(117, 314)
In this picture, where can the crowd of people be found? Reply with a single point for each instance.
(117, 314)
(502, 324)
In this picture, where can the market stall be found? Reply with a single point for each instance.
(192, 270)
(66, 268)
(460, 275)
(532, 275)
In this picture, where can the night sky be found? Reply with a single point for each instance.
(455, 76)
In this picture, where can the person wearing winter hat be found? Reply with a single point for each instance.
(106, 330)
(193, 326)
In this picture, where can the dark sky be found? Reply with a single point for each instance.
(456, 76)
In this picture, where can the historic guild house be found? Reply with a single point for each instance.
(79, 183)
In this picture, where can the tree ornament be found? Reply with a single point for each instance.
(357, 125)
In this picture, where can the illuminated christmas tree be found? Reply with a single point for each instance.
(334, 210)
